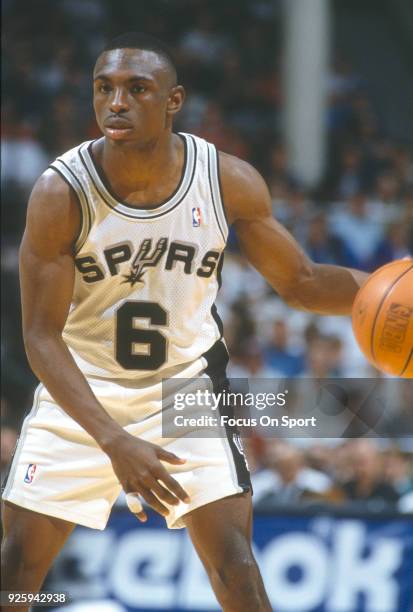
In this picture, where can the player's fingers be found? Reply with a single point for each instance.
(154, 502)
(164, 494)
(173, 486)
(165, 455)
(135, 506)
(142, 516)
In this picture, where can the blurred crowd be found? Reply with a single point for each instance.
(358, 475)
(229, 59)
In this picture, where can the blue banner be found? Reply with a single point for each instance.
(311, 563)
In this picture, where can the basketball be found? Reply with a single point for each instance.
(383, 318)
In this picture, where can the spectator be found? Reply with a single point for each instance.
(23, 158)
(397, 471)
(406, 503)
(8, 442)
(289, 481)
(279, 174)
(367, 487)
(215, 129)
(395, 245)
(324, 357)
(386, 199)
(324, 247)
(296, 211)
(251, 364)
(341, 465)
(359, 228)
(278, 355)
(204, 44)
(350, 179)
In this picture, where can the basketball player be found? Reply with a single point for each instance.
(120, 265)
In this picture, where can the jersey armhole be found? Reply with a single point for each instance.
(84, 208)
(216, 191)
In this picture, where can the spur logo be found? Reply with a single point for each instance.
(180, 256)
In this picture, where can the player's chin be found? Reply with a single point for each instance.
(119, 134)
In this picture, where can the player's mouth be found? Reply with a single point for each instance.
(117, 127)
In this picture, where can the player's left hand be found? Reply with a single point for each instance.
(139, 467)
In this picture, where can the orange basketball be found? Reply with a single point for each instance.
(383, 318)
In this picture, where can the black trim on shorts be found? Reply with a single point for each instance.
(214, 311)
(217, 359)
(217, 319)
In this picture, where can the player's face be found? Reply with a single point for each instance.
(134, 95)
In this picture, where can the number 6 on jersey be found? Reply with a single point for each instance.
(127, 336)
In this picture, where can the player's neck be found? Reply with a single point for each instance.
(136, 172)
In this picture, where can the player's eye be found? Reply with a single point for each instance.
(104, 88)
(138, 89)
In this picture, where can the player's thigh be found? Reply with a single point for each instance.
(30, 543)
(221, 531)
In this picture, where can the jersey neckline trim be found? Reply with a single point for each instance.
(135, 212)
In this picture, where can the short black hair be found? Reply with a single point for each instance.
(146, 42)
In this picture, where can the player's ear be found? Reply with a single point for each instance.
(175, 100)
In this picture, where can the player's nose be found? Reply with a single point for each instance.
(119, 103)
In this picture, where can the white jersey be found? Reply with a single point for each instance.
(146, 278)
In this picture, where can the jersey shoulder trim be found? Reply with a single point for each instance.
(216, 191)
(134, 212)
(86, 210)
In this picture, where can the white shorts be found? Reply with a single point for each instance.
(59, 470)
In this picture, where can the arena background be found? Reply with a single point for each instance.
(318, 95)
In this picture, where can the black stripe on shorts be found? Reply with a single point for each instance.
(217, 359)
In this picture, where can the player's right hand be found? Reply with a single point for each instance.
(139, 468)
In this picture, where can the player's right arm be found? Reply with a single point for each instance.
(47, 273)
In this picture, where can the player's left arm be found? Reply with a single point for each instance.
(272, 250)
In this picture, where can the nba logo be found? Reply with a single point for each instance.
(196, 217)
(30, 473)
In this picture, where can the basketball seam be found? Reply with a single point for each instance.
(372, 351)
(407, 363)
